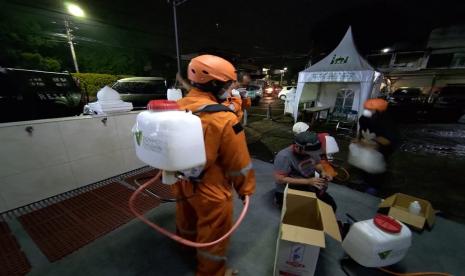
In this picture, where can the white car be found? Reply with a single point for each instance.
(286, 90)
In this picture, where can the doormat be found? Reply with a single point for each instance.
(12, 260)
(63, 227)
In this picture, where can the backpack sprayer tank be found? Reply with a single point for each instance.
(172, 141)
(169, 139)
(378, 242)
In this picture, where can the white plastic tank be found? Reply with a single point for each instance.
(169, 139)
(378, 242)
(173, 94)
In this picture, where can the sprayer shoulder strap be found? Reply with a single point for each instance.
(213, 108)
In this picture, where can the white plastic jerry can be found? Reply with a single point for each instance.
(377, 242)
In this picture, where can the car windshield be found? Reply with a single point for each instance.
(146, 87)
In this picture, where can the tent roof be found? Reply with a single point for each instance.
(344, 58)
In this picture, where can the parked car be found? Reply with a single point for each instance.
(282, 95)
(32, 95)
(255, 93)
(407, 95)
(140, 90)
(448, 103)
(452, 96)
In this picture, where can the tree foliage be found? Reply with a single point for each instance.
(94, 82)
(32, 41)
(24, 47)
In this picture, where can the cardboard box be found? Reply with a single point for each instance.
(304, 221)
(397, 207)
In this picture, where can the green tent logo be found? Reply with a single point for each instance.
(339, 59)
(384, 255)
(138, 135)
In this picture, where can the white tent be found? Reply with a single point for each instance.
(343, 74)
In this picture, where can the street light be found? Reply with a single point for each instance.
(385, 50)
(74, 10)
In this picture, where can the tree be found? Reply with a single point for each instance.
(23, 44)
(111, 60)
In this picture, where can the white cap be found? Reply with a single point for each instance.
(300, 127)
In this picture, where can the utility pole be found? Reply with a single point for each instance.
(71, 45)
(177, 3)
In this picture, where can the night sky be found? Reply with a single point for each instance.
(267, 32)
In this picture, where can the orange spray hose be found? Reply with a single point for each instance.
(173, 236)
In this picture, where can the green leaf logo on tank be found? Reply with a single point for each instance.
(138, 135)
(384, 255)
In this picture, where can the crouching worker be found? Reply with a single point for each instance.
(296, 166)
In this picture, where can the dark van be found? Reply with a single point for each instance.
(32, 95)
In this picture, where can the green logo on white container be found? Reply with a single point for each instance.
(138, 135)
(384, 255)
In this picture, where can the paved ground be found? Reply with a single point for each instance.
(134, 249)
(429, 164)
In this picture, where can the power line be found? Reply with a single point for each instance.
(60, 15)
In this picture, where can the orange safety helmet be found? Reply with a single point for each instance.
(205, 68)
(376, 104)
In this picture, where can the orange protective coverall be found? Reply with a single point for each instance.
(240, 104)
(246, 103)
(208, 215)
(237, 103)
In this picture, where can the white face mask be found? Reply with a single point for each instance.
(235, 93)
(367, 113)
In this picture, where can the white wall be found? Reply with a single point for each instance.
(61, 155)
(309, 92)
